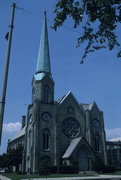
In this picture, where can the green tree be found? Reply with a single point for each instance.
(15, 156)
(1, 161)
(12, 158)
(98, 21)
(4, 160)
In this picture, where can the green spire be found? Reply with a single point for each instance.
(43, 61)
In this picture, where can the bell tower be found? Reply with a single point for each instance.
(43, 84)
(40, 131)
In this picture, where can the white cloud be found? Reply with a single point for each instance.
(113, 133)
(11, 127)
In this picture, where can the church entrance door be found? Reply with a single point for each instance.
(83, 161)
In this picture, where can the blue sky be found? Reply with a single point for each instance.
(98, 79)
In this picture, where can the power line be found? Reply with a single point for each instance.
(39, 16)
(27, 11)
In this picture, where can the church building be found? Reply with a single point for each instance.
(64, 132)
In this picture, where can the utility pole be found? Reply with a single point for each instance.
(4, 88)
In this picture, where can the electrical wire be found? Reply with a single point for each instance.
(39, 16)
(27, 11)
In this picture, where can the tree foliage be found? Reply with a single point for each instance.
(15, 156)
(99, 166)
(12, 158)
(4, 160)
(98, 21)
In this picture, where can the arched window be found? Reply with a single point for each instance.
(70, 110)
(46, 139)
(30, 139)
(33, 95)
(46, 93)
(97, 143)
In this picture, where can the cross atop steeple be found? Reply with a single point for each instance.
(43, 61)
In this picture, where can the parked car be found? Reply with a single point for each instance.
(2, 170)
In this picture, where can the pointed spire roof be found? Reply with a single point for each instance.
(43, 61)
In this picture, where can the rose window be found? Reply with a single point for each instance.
(71, 127)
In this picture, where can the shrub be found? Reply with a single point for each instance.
(109, 169)
(8, 170)
(67, 169)
(118, 169)
(44, 168)
(20, 172)
(53, 169)
(99, 165)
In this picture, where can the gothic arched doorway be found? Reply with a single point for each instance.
(83, 161)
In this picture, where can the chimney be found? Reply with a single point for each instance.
(23, 121)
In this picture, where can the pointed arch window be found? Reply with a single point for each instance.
(33, 94)
(97, 143)
(30, 139)
(70, 110)
(46, 93)
(46, 139)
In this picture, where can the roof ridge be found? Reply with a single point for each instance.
(18, 134)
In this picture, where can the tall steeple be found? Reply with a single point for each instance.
(42, 82)
(43, 61)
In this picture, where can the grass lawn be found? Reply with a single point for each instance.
(115, 173)
(15, 176)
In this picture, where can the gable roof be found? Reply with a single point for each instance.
(60, 101)
(19, 134)
(39, 76)
(64, 97)
(74, 144)
(90, 106)
(71, 147)
(87, 106)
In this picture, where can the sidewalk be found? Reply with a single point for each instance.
(4, 178)
(103, 177)
(113, 177)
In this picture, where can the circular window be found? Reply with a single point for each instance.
(71, 127)
(46, 116)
